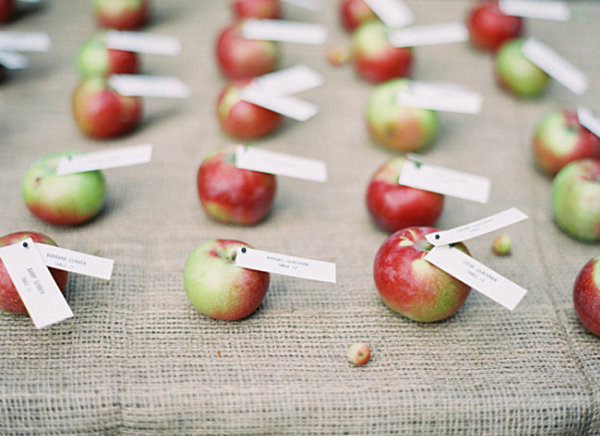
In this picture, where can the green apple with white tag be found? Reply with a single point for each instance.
(94, 58)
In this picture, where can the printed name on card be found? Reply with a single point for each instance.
(149, 86)
(432, 34)
(287, 105)
(13, 61)
(35, 285)
(478, 276)
(142, 42)
(288, 81)
(394, 13)
(284, 31)
(555, 65)
(25, 41)
(434, 178)
(292, 266)
(265, 161)
(544, 10)
(76, 262)
(589, 120)
(445, 97)
(105, 159)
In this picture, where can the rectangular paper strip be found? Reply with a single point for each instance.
(544, 10)
(76, 262)
(477, 228)
(43, 299)
(285, 265)
(478, 276)
(311, 5)
(444, 181)
(13, 60)
(101, 160)
(265, 161)
(149, 86)
(284, 31)
(288, 81)
(24, 41)
(588, 120)
(440, 96)
(287, 105)
(394, 13)
(141, 42)
(429, 35)
(555, 65)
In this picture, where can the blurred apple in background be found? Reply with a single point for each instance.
(394, 207)
(395, 127)
(355, 12)
(241, 58)
(101, 112)
(7, 10)
(10, 301)
(576, 199)
(586, 296)
(560, 138)
(375, 58)
(232, 195)
(69, 199)
(489, 27)
(267, 9)
(122, 14)
(218, 288)
(412, 286)
(95, 59)
(517, 74)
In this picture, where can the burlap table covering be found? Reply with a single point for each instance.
(137, 358)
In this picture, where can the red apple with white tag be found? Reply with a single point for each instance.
(94, 58)
(242, 119)
(393, 206)
(375, 58)
(101, 112)
(10, 301)
(409, 284)
(218, 288)
(353, 13)
(560, 138)
(586, 296)
(232, 195)
(267, 9)
(122, 14)
(241, 58)
(489, 27)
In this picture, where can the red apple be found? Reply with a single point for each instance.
(355, 12)
(95, 59)
(218, 288)
(101, 112)
(241, 58)
(412, 286)
(586, 296)
(560, 138)
(268, 9)
(242, 119)
(7, 10)
(394, 207)
(489, 27)
(10, 301)
(232, 195)
(375, 59)
(122, 14)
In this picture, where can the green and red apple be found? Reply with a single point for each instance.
(404, 129)
(67, 200)
(560, 138)
(353, 13)
(10, 301)
(576, 199)
(359, 354)
(121, 14)
(586, 296)
(218, 288)
(232, 195)
(409, 284)
(489, 27)
(95, 59)
(375, 58)
(264, 9)
(517, 74)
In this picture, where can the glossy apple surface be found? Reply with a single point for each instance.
(69, 199)
(95, 59)
(7, 10)
(394, 207)
(517, 74)
(121, 14)
(374, 58)
(266, 9)
(242, 119)
(560, 138)
(241, 58)
(218, 288)
(10, 301)
(101, 112)
(232, 195)
(409, 284)
(586, 296)
(353, 13)
(576, 199)
(489, 27)
(395, 127)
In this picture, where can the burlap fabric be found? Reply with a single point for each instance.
(137, 358)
